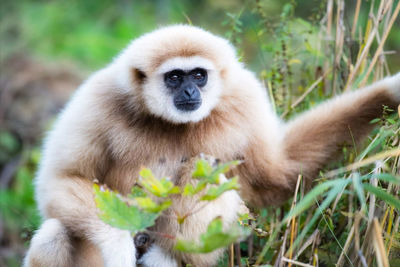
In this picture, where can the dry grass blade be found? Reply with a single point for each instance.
(380, 252)
(340, 34)
(296, 262)
(308, 91)
(360, 61)
(312, 239)
(365, 51)
(346, 247)
(395, 230)
(389, 227)
(366, 251)
(278, 261)
(293, 221)
(327, 63)
(356, 13)
(380, 47)
(329, 11)
(356, 165)
(372, 197)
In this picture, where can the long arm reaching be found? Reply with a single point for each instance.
(311, 140)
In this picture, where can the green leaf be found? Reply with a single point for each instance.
(359, 190)
(137, 192)
(115, 212)
(209, 175)
(388, 198)
(148, 205)
(387, 177)
(158, 187)
(8, 142)
(215, 192)
(202, 169)
(309, 199)
(391, 121)
(332, 194)
(375, 143)
(375, 121)
(212, 239)
(188, 190)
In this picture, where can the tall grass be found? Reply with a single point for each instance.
(351, 216)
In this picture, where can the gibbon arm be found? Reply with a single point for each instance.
(74, 156)
(313, 139)
(71, 201)
(71, 207)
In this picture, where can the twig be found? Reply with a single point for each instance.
(231, 256)
(308, 91)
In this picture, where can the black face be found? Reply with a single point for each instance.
(185, 87)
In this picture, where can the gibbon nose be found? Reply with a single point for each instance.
(191, 92)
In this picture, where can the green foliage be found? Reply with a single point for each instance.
(148, 205)
(216, 192)
(380, 193)
(19, 217)
(205, 173)
(152, 196)
(212, 239)
(17, 205)
(309, 199)
(119, 213)
(9, 146)
(157, 187)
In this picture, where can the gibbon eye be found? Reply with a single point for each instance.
(199, 76)
(174, 78)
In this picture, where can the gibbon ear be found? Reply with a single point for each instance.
(138, 75)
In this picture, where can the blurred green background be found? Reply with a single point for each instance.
(47, 48)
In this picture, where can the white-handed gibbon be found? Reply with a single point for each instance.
(170, 96)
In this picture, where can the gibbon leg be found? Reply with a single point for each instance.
(71, 203)
(51, 246)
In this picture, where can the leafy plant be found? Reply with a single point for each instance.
(215, 237)
(152, 196)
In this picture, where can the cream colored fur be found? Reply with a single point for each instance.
(121, 119)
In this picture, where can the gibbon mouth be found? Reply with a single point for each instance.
(187, 105)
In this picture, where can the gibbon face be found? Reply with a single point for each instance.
(182, 89)
(181, 80)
